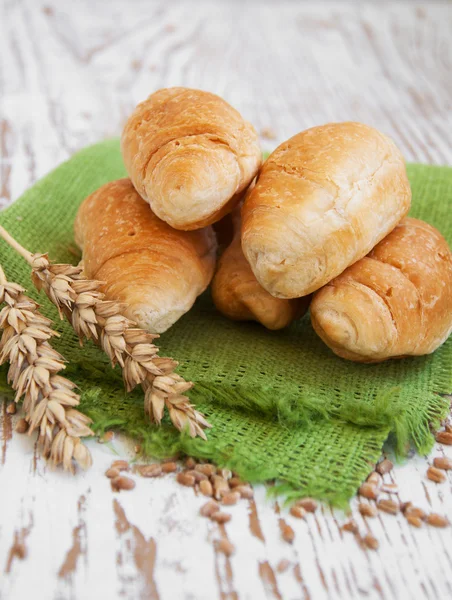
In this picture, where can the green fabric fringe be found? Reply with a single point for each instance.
(283, 407)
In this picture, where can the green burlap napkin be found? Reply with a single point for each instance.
(281, 404)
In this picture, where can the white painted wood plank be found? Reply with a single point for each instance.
(70, 72)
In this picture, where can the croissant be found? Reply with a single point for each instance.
(321, 202)
(237, 294)
(190, 155)
(157, 271)
(395, 302)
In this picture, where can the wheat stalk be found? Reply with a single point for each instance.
(81, 302)
(48, 398)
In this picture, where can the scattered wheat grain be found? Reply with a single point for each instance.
(367, 510)
(154, 470)
(184, 479)
(385, 466)
(287, 533)
(245, 491)
(350, 526)
(112, 473)
(444, 437)
(298, 512)
(225, 547)
(414, 511)
(220, 517)
(375, 479)
(190, 462)
(309, 504)
(388, 506)
(209, 508)
(437, 520)
(369, 491)
(371, 542)
(442, 462)
(22, 426)
(169, 467)
(197, 475)
(413, 520)
(436, 475)
(206, 469)
(121, 465)
(205, 487)
(122, 483)
(231, 498)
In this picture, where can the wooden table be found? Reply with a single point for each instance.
(71, 71)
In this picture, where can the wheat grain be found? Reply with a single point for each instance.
(154, 470)
(388, 506)
(184, 479)
(287, 533)
(82, 303)
(368, 491)
(22, 426)
(436, 475)
(197, 475)
(235, 482)
(245, 491)
(205, 487)
(220, 517)
(309, 504)
(112, 473)
(414, 511)
(442, 462)
(170, 467)
(350, 526)
(48, 398)
(444, 437)
(120, 465)
(209, 508)
(437, 520)
(375, 479)
(370, 542)
(122, 483)
(367, 510)
(207, 469)
(225, 473)
(385, 466)
(220, 486)
(298, 511)
(107, 437)
(231, 498)
(94, 318)
(225, 547)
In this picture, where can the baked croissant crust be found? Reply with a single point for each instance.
(157, 271)
(395, 302)
(321, 202)
(190, 155)
(237, 294)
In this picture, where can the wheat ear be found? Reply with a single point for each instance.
(81, 302)
(48, 398)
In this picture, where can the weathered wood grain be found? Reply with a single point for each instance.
(70, 72)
